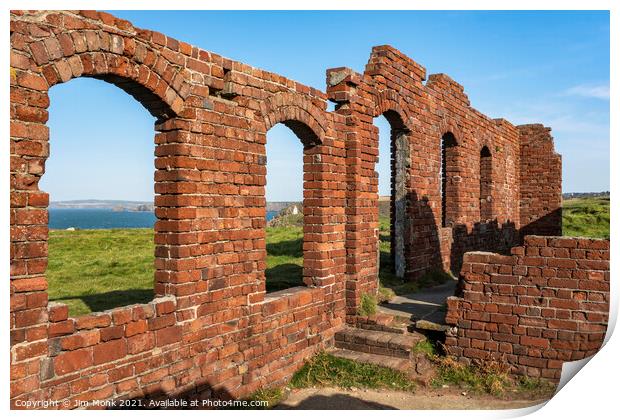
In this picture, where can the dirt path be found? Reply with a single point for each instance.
(423, 399)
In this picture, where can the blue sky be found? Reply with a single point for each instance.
(547, 67)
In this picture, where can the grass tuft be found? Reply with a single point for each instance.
(327, 370)
(384, 294)
(368, 305)
(489, 377)
(425, 347)
(273, 396)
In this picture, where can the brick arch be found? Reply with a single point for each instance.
(483, 138)
(124, 61)
(448, 125)
(452, 161)
(390, 104)
(299, 114)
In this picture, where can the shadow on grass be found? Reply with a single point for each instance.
(98, 302)
(284, 276)
(291, 248)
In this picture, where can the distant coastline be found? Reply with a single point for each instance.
(126, 205)
(105, 218)
(116, 205)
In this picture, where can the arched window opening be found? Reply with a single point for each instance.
(486, 185)
(289, 167)
(448, 173)
(99, 177)
(392, 166)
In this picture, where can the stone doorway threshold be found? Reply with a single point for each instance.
(427, 308)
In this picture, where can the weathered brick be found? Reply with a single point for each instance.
(110, 350)
(71, 361)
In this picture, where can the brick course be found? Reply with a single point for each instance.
(212, 327)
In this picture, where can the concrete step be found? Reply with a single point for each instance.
(377, 342)
(397, 363)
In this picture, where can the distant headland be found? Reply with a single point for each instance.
(116, 205)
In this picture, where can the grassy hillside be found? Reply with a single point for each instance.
(586, 217)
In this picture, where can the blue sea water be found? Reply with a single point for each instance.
(105, 218)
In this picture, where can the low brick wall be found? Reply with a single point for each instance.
(144, 351)
(545, 304)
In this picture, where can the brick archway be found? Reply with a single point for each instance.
(307, 122)
(299, 114)
(45, 60)
(159, 85)
(390, 105)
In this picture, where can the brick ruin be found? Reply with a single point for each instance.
(213, 329)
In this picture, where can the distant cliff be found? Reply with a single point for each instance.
(290, 215)
(280, 205)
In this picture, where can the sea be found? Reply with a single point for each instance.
(105, 218)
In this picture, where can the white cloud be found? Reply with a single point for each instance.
(590, 91)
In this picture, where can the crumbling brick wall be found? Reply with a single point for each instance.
(545, 304)
(213, 328)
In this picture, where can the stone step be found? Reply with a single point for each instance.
(425, 325)
(377, 342)
(380, 322)
(397, 363)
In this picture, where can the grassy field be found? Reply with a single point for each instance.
(284, 257)
(95, 270)
(586, 217)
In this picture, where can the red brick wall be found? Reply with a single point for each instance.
(541, 182)
(546, 303)
(212, 327)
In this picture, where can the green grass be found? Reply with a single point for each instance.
(425, 347)
(489, 378)
(284, 257)
(327, 370)
(95, 270)
(586, 217)
(273, 396)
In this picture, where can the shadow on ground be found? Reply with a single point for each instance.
(283, 276)
(334, 402)
(109, 300)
